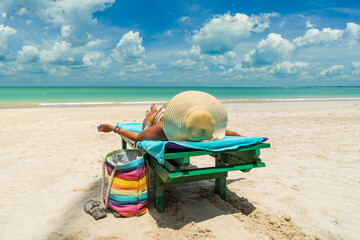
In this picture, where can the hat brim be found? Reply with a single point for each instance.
(178, 108)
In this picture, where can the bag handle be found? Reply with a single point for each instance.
(106, 200)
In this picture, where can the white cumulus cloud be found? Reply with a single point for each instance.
(129, 49)
(268, 51)
(309, 24)
(183, 19)
(221, 60)
(96, 59)
(33, 7)
(75, 17)
(21, 11)
(333, 71)
(352, 33)
(190, 60)
(185, 63)
(327, 36)
(356, 68)
(139, 67)
(224, 32)
(95, 43)
(355, 64)
(29, 54)
(63, 54)
(288, 68)
(5, 33)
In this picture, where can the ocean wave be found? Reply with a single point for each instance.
(222, 100)
(310, 99)
(141, 103)
(289, 99)
(76, 103)
(99, 103)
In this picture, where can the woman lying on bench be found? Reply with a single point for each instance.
(189, 116)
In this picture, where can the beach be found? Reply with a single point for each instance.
(51, 164)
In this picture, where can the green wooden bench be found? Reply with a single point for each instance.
(176, 168)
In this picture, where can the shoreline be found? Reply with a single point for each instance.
(146, 103)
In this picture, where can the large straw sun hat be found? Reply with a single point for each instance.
(194, 116)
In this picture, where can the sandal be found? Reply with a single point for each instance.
(116, 214)
(94, 208)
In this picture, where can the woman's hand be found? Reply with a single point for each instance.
(105, 128)
(232, 133)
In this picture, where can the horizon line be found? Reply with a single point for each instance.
(305, 86)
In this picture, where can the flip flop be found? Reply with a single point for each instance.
(94, 208)
(116, 214)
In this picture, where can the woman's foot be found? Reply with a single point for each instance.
(153, 109)
(149, 114)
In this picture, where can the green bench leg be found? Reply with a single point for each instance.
(123, 144)
(220, 183)
(159, 189)
(220, 186)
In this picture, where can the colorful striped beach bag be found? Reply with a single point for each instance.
(126, 191)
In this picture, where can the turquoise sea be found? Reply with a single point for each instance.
(79, 96)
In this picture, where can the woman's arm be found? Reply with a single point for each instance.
(155, 132)
(232, 133)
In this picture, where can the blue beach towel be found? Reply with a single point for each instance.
(157, 148)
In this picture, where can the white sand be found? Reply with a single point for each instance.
(50, 165)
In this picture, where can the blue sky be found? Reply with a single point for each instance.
(179, 43)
